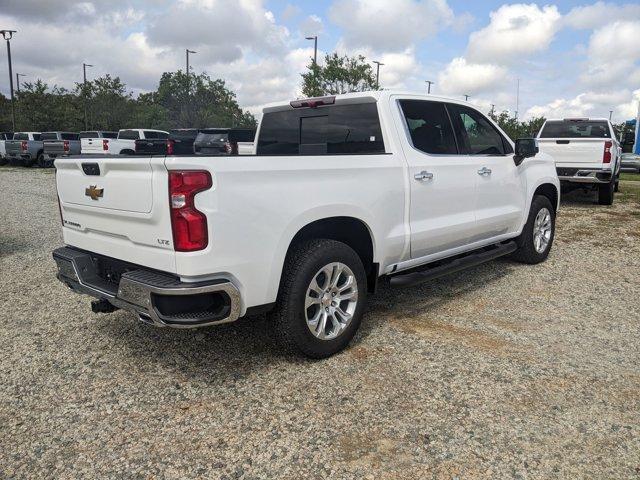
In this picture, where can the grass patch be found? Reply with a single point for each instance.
(630, 177)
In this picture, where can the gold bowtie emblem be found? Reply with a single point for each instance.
(94, 192)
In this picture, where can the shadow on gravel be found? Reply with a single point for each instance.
(581, 198)
(227, 353)
(9, 246)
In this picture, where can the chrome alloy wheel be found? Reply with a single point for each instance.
(542, 230)
(331, 301)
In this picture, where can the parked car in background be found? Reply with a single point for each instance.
(342, 190)
(96, 141)
(4, 136)
(55, 144)
(586, 153)
(222, 141)
(125, 144)
(25, 148)
(178, 142)
(630, 162)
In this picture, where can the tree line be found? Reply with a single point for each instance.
(180, 101)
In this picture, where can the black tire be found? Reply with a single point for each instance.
(605, 193)
(127, 152)
(29, 162)
(526, 252)
(41, 160)
(3, 161)
(289, 315)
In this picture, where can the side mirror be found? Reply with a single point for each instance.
(525, 148)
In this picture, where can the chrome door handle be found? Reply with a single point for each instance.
(423, 175)
(484, 171)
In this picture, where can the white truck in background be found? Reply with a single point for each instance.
(341, 191)
(96, 141)
(125, 143)
(586, 153)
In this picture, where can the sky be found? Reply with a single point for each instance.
(571, 58)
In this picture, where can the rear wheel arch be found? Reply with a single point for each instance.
(349, 230)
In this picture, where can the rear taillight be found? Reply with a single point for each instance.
(170, 147)
(189, 225)
(105, 145)
(606, 156)
(65, 146)
(23, 146)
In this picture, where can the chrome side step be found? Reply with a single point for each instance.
(445, 267)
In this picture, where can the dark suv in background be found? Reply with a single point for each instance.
(221, 141)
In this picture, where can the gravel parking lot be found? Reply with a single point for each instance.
(503, 371)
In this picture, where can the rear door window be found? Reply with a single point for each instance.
(129, 135)
(476, 134)
(429, 126)
(330, 130)
(575, 129)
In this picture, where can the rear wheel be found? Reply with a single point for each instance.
(3, 161)
(41, 161)
(321, 298)
(534, 243)
(605, 193)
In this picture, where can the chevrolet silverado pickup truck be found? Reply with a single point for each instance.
(4, 136)
(25, 148)
(96, 141)
(125, 144)
(341, 192)
(178, 142)
(55, 144)
(586, 153)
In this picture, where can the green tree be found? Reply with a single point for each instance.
(339, 74)
(110, 105)
(43, 108)
(517, 129)
(197, 101)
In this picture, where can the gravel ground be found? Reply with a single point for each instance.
(503, 371)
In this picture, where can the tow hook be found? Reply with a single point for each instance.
(102, 306)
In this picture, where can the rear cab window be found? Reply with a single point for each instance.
(21, 136)
(109, 134)
(578, 128)
(352, 128)
(70, 136)
(89, 135)
(150, 134)
(49, 136)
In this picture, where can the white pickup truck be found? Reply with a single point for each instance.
(586, 153)
(125, 144)
(340, 192)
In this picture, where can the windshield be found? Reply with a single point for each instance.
(575, 129)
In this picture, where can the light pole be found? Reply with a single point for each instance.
(84, 87)
(493, 107)
(315, 48)
(18, 75)
(466, 98)
(188, 71)
(429, 83)
(610, 114)
(378, 73)
(7, 35)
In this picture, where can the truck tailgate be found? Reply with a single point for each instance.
(574, 152)
(118, 207)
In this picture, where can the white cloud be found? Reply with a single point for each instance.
(623, 103)
(290, 11)
(514, 30)
(461, 77)
(311, 25)
(599, 14)
(389, 26)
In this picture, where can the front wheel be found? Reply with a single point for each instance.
(321, 298)
(534, 243)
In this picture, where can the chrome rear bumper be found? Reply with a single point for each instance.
(579, 175)
(157, 298)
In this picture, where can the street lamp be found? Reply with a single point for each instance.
(84, 84)
(378, 73)
(8, 35)
(188, 52)
(429, 83)
(18, 75)
(315, 48)
(466, 97)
